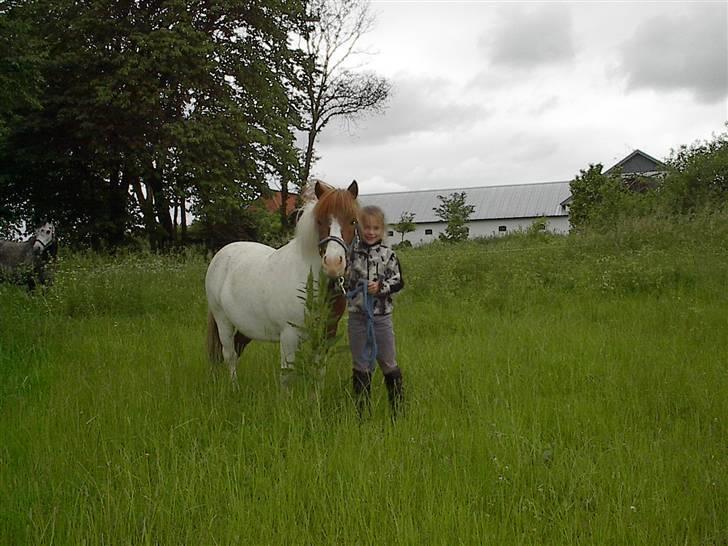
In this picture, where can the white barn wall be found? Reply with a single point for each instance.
(478, 228)
(514, 206)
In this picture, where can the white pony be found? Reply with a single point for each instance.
(253, 290)
(25, 263)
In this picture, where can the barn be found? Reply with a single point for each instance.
(499, 210)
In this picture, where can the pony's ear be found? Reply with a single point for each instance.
(353, 189)
(321, 188)
(318, 189)
(308, 193)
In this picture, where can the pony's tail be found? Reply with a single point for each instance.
(214, 346)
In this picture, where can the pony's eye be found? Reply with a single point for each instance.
(354, 222)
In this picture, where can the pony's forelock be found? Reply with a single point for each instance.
(336, 203)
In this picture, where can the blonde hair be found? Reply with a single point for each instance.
(372, 211)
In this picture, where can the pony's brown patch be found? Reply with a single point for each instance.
(338, 306)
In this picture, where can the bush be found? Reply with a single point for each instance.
(696, 184)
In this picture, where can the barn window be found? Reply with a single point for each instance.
(428, 232)
(390, 233)
(502, 228)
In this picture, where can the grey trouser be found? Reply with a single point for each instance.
(383, 333)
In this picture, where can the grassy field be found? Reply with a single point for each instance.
(560, 391)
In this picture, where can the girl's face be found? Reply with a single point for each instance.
(372, 229)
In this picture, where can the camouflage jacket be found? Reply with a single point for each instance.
(375, 263)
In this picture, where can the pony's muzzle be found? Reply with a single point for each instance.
(334, 266)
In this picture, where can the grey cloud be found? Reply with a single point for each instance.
(524, 147)
(417, 105)
(527, 38)
(680, 54)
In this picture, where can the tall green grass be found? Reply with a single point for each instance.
(559, 391)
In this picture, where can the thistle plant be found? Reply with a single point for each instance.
(316, 346)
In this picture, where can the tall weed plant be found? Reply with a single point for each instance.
(317, 344)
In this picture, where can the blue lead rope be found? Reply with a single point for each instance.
(370, 349)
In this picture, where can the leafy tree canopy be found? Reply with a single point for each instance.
(144, 106)
(589, 191)
(698, 177)
(454, 210)
(406, 224)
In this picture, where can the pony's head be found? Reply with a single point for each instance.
(336, 213)
(43, 237)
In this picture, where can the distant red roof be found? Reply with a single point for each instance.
(273, 203)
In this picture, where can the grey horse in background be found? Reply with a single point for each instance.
(25, 263)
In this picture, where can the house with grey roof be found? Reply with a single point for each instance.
(638, 163)
(499, 210)
(638, 172)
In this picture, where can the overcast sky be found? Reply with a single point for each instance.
(488, 93)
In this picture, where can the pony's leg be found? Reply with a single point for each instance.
(226, 331)
(289, 343)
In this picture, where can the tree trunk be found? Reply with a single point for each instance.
(160, 202)
(145, 203)
(161, 207)
(283, 210)
(118, 207)
(183, 221)
(308, 158)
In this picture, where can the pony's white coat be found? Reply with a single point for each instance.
(255, 290)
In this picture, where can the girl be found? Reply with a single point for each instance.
(375, 270)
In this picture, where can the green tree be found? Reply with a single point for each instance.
(406, 224)
(148, 106)
(20, 78)
(454, 210)
(698, 177)
(594, 197)
(20, 83)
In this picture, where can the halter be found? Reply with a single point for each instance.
(44, 245)
(338, 240)
(349, 249)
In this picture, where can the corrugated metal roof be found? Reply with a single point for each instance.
(491, 202)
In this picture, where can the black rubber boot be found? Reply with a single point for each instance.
(395, 392)
(362, 382)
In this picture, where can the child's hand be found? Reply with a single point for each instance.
(373, 287)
